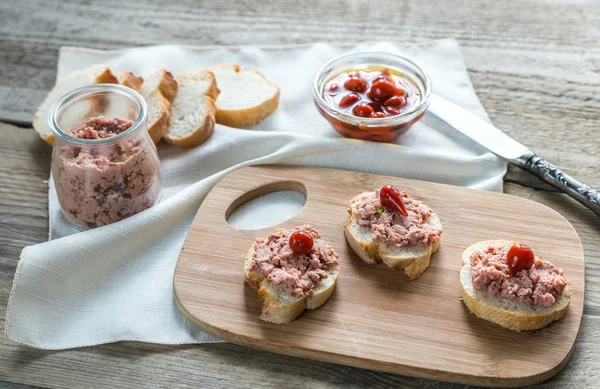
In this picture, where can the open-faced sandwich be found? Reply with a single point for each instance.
(505, 283)
(291, 271)
(390, 226)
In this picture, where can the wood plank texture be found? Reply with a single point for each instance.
(534, 64)
(377, 318)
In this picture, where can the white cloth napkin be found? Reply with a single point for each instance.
(115, 283)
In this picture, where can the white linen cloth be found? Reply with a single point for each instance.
(115, 283)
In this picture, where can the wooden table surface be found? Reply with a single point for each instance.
(535, 65)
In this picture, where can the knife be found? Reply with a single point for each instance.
(504, 146)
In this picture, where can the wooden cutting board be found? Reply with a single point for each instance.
(377, 318)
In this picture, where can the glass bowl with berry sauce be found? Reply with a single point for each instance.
(371, 95)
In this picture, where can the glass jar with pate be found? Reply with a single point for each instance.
(104, 164)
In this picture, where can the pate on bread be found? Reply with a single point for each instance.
(525, 298)
(379, 233)
(289, 281)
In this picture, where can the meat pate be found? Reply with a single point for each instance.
(390, 227)
(297, 274)
(103, 184)
(538, 286)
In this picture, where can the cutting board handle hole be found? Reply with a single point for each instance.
(267, 205)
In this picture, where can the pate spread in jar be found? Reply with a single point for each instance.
(105, 169)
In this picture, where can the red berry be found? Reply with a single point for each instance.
(363, 110)
(301, 242)
(333, 88)
(390, 197)
(348, 100)
(519, 257)
(378, 115)
(381, 90)
(396, 101)
(376, 107)
(392, 111)
(356, 85)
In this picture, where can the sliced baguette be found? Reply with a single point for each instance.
(511, 314)
(96, 74)
(157, 88)
(281, 308)
(246, 97)
(130, 80)
(193, 109)
(412, 259)
(162, 81)
(159, 115)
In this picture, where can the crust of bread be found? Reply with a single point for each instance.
(491, 309)
(280, 308)
(372, 252)
(168, 86)
(106, 77)
(49, 138)
(158, 129)
(249, 116)
(130, 80)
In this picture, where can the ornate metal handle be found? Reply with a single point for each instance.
(561, 180)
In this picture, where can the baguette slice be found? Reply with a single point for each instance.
(281, 308)
(130, 80)
(158, 87)
(96, 74)
(162, 81)
(412, 259)
(159, 115)
(246, 97)
(159, 108)
(193, 109)
(511, 314)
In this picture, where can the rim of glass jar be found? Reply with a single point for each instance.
(389, 121)
(88, 90)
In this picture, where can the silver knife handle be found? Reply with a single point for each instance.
(552, 175)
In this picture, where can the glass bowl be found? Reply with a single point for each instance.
(375, 129)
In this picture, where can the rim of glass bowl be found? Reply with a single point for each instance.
(89, 90)
(394, 61)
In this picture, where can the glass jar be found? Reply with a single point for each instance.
(104, 164)
(371, 128)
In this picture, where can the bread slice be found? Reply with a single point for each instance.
(412, 259)
(96, 74)
(278, 306)
(159, 115)
(130, 80)
(246, 97)
(193, 109)
(511, 314)
(159, 106)
(162, 81)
